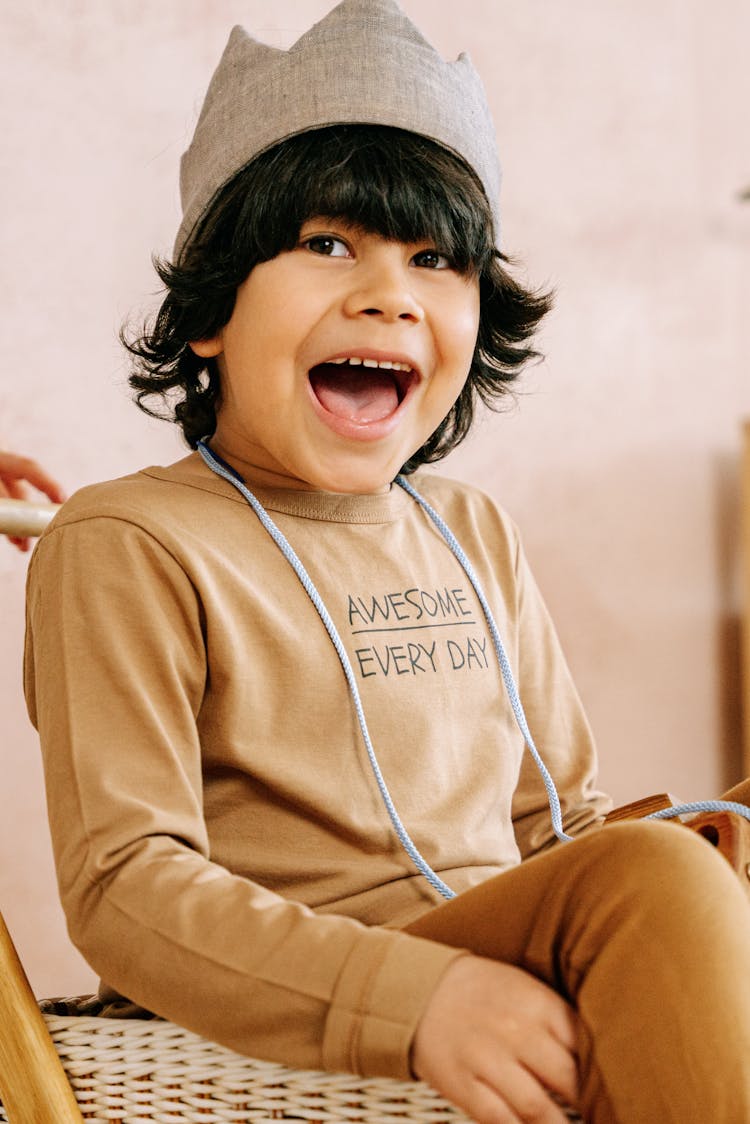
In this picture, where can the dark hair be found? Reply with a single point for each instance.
(383, 180)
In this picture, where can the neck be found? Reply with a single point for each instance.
(258, 476)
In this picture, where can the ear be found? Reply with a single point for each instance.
(207, 349)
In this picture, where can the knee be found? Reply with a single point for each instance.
(663, 862)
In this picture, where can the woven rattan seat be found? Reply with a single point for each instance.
(151, 1070)
(130, 1069)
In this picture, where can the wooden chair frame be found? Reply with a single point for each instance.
(34, 1088)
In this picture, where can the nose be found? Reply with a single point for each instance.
(383, 286)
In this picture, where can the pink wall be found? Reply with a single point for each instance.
(623, 132)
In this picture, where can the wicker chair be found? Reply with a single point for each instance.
(64, 1069)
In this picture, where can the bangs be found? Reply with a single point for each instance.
(385, 181)
(382, 180)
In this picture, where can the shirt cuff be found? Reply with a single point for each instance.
(384, 987)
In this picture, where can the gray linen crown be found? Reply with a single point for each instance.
(363, 63)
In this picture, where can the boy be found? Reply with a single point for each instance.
(266, 683)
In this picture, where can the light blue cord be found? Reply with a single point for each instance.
(228, 474)
(286, 549)
(502, 659)
(700, 806)
(515, 701)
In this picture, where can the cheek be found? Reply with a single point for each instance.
(474, 313)
(464, 330)
(463, 340)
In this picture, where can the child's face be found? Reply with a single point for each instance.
(293, 408)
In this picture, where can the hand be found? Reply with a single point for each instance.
(497, 1042)
(13, 471)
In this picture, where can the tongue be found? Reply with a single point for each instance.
(362, 394)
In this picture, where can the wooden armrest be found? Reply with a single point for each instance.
(33, 1085)
(25, 517)
(640, 808)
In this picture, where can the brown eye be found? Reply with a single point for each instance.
(431, 259)
(327, 246)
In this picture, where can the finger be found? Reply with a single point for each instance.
(563, 1022)
(14, 467)
(47, 484)
(485, 1105)
(522, 1098)
(17, 541)
(554, 1066)
(530, 1077)
(14, 489)
(22, 544)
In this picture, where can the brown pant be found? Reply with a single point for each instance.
(646, 930)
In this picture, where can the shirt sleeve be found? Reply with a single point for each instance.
(115, 669)
(558, 726)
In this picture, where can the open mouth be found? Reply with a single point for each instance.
(361, 390)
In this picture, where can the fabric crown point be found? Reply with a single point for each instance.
(364, 63)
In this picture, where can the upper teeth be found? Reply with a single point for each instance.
(386, 364)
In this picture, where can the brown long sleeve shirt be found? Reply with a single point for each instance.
(223, 853)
